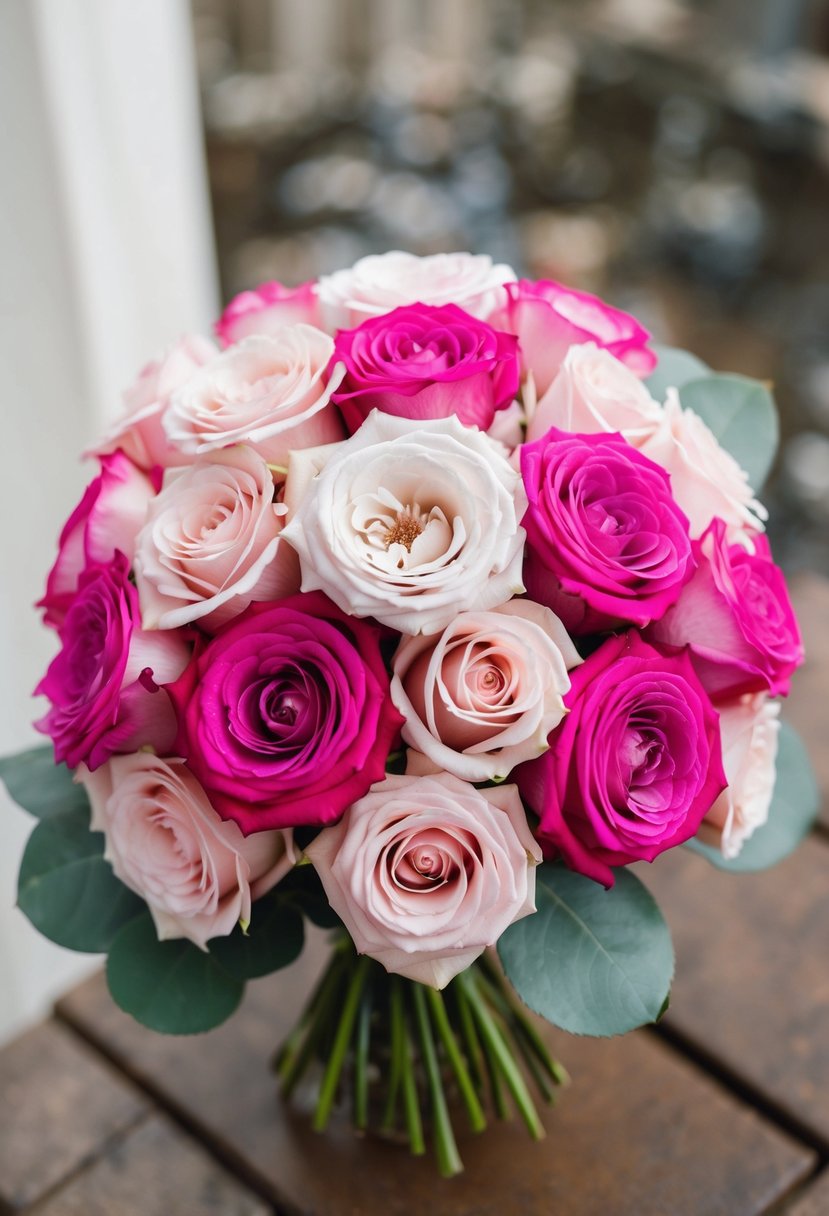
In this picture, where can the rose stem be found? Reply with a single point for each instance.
(411, 1106)
(477, 1118)
(504, 1059)
(398, 1032)
(473, 1045)
(510, 1023)
(292, 1069)
(361, 1059)
(499, 1101)
(449, 1160)
(287, 1049)
(336, 1059)
(556, 1070)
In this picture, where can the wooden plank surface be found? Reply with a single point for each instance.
(815, 1199)
(156, 1170)
(60, 1104)
(808, 706)
(641, 1132)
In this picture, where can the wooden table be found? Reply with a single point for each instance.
(722, 1111)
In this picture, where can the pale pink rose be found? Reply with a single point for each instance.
(139, 432)
(484, 695)
(706, 480)
(271, 392)
(211, 543)
(594, 392)
(381, 282)
(426, 872)
(408, 522)
(197, 873)
(266, 309)
(749, 728)
(507, 427)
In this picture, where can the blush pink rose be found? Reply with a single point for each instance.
(736, 616)
(104, 682)
(606, 543)
(108, 518)
(426, 872)
(749, 728)
(425, 362)
(634, 766)
(272, 392)
(549, 318)
(484, 695)
(139, 432)
(211, 544)
(197, 874)
(266, 309)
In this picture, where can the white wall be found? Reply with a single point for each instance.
(106, 254)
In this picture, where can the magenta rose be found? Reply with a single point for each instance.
(104, 682)
(550, 318)
(736, 616)
(635, 765)
(285, 716)
(267, 309)
(606, 543)
(425, 362)
(109, 516)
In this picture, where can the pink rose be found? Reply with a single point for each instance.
(197, 874)
(737, 618)
(272, 393)
(706, 480)
(485, 694)
(426, 362)
(606, 542)
(634, 766)
(408, 522)
(380, 282)
(108, 518)
(426, 872)
(211, 544)
(266, 309)
(140, 431)
(749, 729)
(550, 318)
(104, 682)
(592, 393)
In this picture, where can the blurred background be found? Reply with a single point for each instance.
(670, 155)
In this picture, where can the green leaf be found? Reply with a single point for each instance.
(743, 417)
(675, 368)
(274, 939)
(67, 890)
(172, 987)
(40, 786)
(591, 961)
(794, 805)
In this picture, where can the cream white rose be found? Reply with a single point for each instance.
(426, 872)
(409, 522)
(749, 728)
(270, 391)
(380, 282)
(483, 695)
(197, 872)
(211, 544)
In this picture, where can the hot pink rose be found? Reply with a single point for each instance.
(104, 683)
(749, 728)
(197, 874)
(634, 766)
(426, 362)
(108, 518)
(140, 430)
(426, 872)
(606, 542)
(736, 616)
(285, 715)
(550, 318)
(266, 309)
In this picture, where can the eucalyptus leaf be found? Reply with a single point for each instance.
(591, 961)
(742, 415)
(171, 987)
(273, 940)
(674, 369)
(67, 890)
(794, 805)
(40, 786)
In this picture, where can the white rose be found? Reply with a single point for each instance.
(409, 522)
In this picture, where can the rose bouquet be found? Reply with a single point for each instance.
(418, 608)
